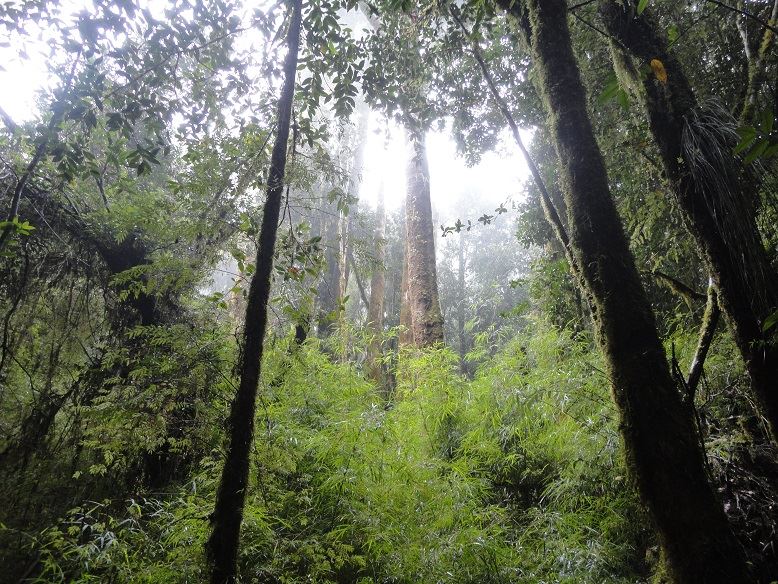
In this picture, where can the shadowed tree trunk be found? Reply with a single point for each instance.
(424, 302)
(659, 436)
(714, 195)
(375, 314)
(222, 546)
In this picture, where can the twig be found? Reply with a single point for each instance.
(746, 14)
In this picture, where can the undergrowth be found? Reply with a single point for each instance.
(514, 476)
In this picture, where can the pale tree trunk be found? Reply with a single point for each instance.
(406, 320)
(355, 180)
(424, 302)
(222, 545)
(375, 314)
(660, 439)
(461, 299)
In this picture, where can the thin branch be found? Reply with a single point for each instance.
(688, 293)
(745, 13)
(548, 205)
(177, 53)
(709, 321)
(40, 151)
(8, 120)
(580, 5)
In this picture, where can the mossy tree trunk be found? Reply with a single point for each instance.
(222, 546)
(424, 301)
(718, 210)
(661, 445)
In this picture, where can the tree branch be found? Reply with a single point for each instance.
(709, 321)
(753, 17)
(689, 294)
(552, 215)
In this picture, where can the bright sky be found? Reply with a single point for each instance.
(498, 177)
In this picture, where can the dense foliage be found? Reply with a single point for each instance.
(131, 209)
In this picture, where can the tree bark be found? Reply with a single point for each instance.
(375, 314)
(355, 179)
(222, 546)
(709, 321)
(756, 68)
(426, 318)
(329, 288)
(461, 299)
(718, 210)
(406, 318)
(659, 436)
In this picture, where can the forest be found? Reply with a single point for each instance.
(389, 292)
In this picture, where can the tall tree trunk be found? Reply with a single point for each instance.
(328, 294)
(222, 546)
(716, 201)
(659, 436)
(375, 314)
(406, 318)
(461, 298)
(426, 318)
(355, 180)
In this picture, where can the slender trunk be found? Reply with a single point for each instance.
(714, 198)
(756, 67)
(426, 318)
(222, 546)
(660, 442)
(461, 299)
(709, 321)
(348, 226)
(375, 314)
(406, 318)
(329, 288)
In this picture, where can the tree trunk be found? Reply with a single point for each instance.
(715, 200)
(406, 318)
(426, 318)
(355, 179)
(222, 546)
(659, 436)
(328, 294)
(375, 314)
(461, 299)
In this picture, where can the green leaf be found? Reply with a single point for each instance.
(770, 321)
(642, 4)
(747, 135)
(771, 151)
(757, 151)
(611, 89)
(623, 98)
